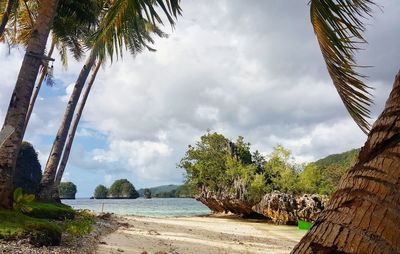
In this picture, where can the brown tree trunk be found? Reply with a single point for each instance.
(6, 15)
(71, 135)
(37, 89)
(46, 185)
(363, 215)
(21, 96)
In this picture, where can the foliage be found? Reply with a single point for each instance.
(122, 188)
(54, 211)
(339, 27)
(67, 190)
(21, 201)
(147, 193)
(81, 225)
(182, 191)
(28, 170)
(159, 189)
(14, 225)
(224, 167)
(100, 192)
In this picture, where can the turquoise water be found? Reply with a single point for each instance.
(155, 207)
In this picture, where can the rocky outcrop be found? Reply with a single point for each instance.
(310, 206)
(225, 203)
(280, 207)
(283, 208)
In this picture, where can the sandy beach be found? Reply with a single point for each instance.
(198, 235)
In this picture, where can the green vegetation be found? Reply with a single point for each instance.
(122, 188)
(21, 201)
(158, 189)
(100, 192)
(67, 190)
(28, 171)
(53, 211)
(147, 193)
(81, 225)
(219, 165)
(182, 191)
(224, 167)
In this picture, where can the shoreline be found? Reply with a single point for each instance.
(198, 234)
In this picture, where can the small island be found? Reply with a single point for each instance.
(67, 190)
(120, 189)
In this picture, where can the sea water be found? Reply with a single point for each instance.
(155, 207)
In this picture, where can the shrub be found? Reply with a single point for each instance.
(53, 211)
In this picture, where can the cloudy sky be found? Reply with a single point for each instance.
(249, 68)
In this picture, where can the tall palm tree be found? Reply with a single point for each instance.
(126, 25)
(16, 113)
(74, 127)
(363, 214)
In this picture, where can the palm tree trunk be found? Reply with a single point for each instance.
(37, 89)
(71, 135)
(46, 185)
(363, 215)
(21, 96)
(6, 15)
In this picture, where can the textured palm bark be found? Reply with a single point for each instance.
(47, 183)
(6, 15)
(21, 96)
(37, 89)
(363, 215)
(71, 135)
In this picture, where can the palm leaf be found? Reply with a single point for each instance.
(339, 27)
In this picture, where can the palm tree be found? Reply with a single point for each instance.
(6, 15)
(74, 127)
(18, 107)
(21, 96)
(363, 214)
(126, 25)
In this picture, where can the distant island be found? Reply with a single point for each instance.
(168, 191)
(67, 190)
(120, 189)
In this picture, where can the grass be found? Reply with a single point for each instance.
(53, 211)
(15, 225)
(39, 226)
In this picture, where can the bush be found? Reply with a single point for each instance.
(82, 225)
(43, 234)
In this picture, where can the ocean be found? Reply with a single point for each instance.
(155, 207)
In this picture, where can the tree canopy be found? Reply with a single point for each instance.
(122, 188)
(67, 190)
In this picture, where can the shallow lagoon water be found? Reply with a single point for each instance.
(155, 207)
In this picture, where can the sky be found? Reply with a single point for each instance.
(236, 67)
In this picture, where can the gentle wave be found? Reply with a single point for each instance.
(155, 207)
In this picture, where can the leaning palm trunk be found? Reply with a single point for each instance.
(37, 89)
(363, 215)
(71, 135)
(46, 185)
(21, 96)
(6, 15)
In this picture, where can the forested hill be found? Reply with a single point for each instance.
(345, 159)
(159, 189)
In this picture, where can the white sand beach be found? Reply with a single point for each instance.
(197, 235)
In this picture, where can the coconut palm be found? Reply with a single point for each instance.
(363, 214)
(16, 113)
(126, 25)
(21, 96)
(8, 8)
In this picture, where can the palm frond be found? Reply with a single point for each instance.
(339, 27)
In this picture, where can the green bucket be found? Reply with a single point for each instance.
(304, 225)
